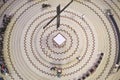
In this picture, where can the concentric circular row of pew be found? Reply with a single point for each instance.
(90, 29)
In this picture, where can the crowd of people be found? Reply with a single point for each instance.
(5, 22)
(115, 25)
(45, 5)
(1, 55)
(58, 71)
(4, 1)
(93, 68)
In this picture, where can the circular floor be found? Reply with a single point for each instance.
(31, 51)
